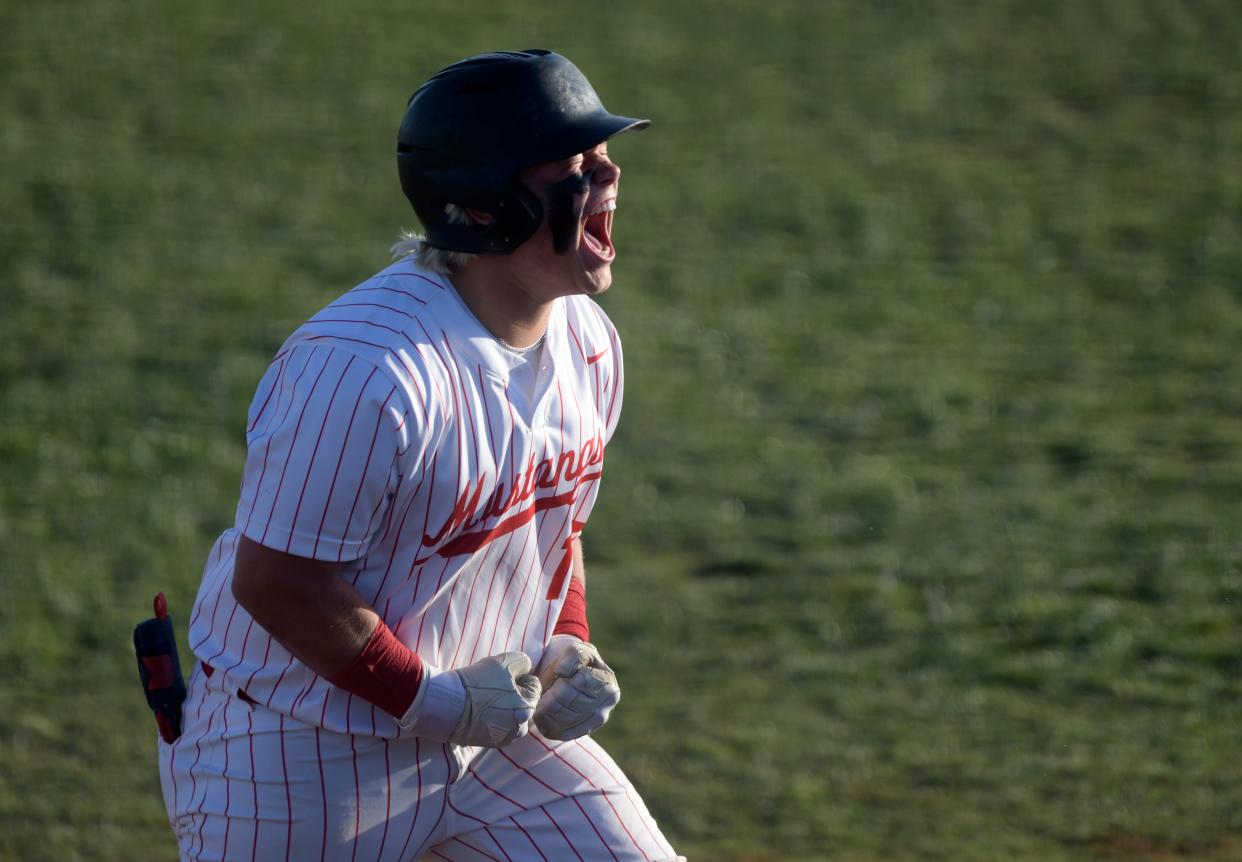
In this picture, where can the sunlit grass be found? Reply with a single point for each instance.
(920, 537)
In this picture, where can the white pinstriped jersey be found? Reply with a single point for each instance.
(385, 435)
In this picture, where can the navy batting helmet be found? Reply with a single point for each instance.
(474, 125)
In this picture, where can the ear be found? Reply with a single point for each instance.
(480, 217)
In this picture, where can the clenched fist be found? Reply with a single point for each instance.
(489, 703)
(579, 689)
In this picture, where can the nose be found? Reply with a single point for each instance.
(606, 173)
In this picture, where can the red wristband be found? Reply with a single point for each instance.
(572, 620)
(386, 673)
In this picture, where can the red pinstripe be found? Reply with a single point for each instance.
(267, 442)
(569, 511)
(461, 385)
(394, 310)
(216, 607)
(519, 806)
(390, 290)
(198, 756)
(254, 785)
(474, 436)
(349, 708)
(271, 696)
(314, 456)
(227, 626)
(473, 653)
(585, 432)
(536, 572)
(228, 796)
(598, 834)
(379, 854)
(418, 798)
(525, 541)
(307, 688)
(323, 787)
(297, 430)
(392, 556)
(349, 428)
(448, 374)
(267, 400)
(482, 853)
(284, 771)
(357, 799)
(530, 774)
(217, 553)
(477, 464)
(528, 838)
(448, 771)
(465, 814)
(391, 509)
(418, 276)
(248, 684)
(258, 484)
(616, 383)
(505, 592)
(379, 418)
(460, 471)
(172, 774)
(418, 640)
(416, 564)
(478, 570)
(556, 752)
(497, 843)
(422, 402)
(460, 479)
(283, 379)
(552, 820)
(620, 783)
(574, 335)
(353, 322)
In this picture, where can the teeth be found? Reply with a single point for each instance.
(605, 207)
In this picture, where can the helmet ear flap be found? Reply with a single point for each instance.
(516, 214)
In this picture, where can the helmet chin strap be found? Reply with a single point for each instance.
(566, 200)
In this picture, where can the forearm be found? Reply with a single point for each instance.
(577, 568)
(580, 689)
(572, 619)
(305, 605)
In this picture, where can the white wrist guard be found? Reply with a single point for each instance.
(438, 706)
(489, 703)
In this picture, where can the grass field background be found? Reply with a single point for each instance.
(922, 535)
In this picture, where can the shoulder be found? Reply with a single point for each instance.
(383, 311)
(388, 322)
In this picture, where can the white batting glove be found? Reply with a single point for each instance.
(489, 703)
(579, 689)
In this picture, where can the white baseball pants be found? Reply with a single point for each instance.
(246, 783)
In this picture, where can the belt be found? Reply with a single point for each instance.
(208, 670)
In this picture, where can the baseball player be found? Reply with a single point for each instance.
(393, 654)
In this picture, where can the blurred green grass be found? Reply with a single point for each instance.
(920, 537)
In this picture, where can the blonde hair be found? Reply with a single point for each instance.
(440, 260)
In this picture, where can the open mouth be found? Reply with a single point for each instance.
(597, 230)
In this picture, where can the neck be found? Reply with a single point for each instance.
(505, 307)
